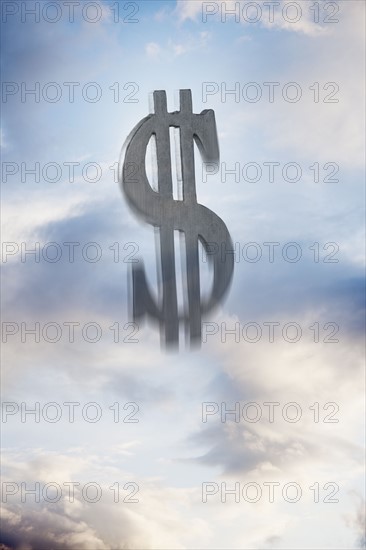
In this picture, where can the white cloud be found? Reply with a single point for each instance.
(173, 49)
(152, 50)
(241, 11)
(3, 142)
(162, 14)
(188, 9)
(153, 522)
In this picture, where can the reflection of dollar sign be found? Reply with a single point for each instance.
(161, 210)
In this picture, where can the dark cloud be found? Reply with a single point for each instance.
(48, 529)
(47, 289)
(278, 291)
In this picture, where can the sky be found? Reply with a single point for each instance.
(284, 350)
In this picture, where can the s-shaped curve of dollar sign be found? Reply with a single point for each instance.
(161, 210)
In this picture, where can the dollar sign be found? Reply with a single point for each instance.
(161, 210)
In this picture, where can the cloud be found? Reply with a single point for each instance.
(173, 49)
(153, 50)
(276, 17)
(169, 452)
(103, 525)
(3, 142)
(357, 522)
(188, 9)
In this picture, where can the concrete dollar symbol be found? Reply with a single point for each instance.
(161, 210)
